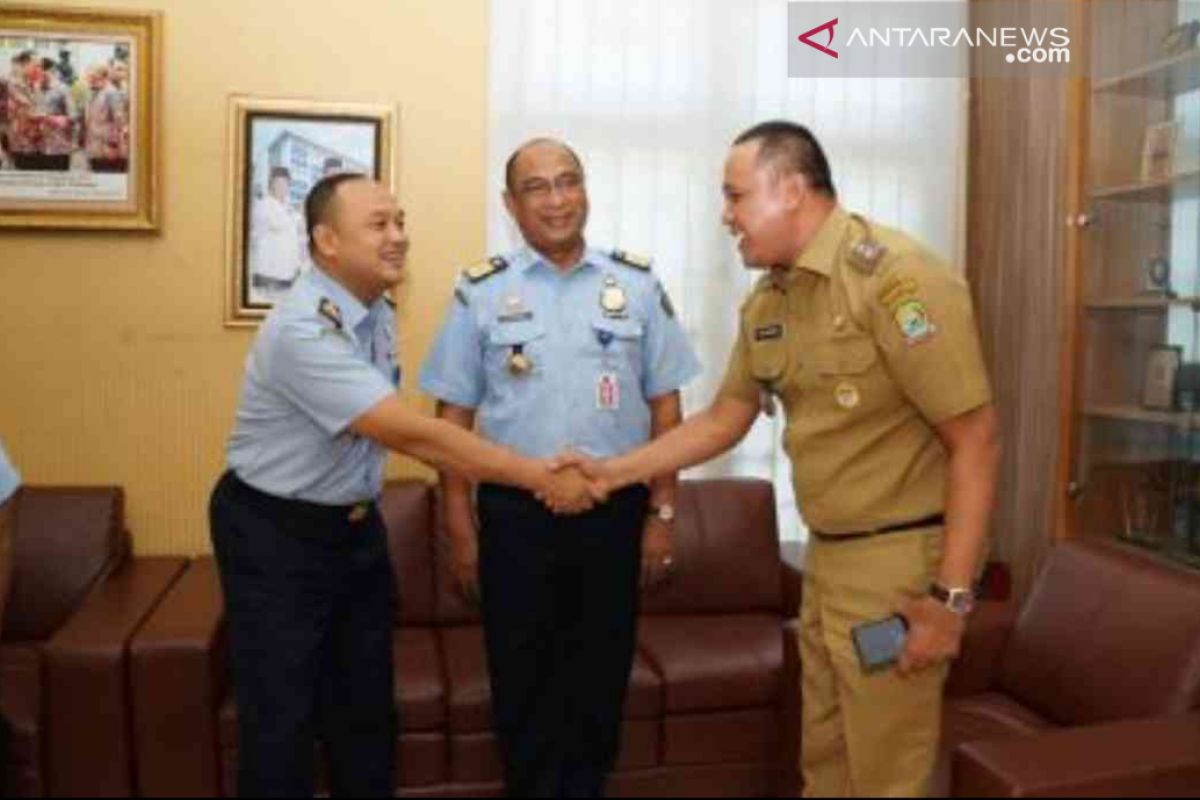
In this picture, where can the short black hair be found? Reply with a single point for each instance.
(791, 148)
(280, 172)
(510, 166)
(23, 57)
(318, 206)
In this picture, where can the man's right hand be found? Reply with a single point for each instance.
(464, 563)
(567, 491)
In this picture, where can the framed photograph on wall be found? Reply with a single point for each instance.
(278, 150)
(1162, 366)
(79, 118)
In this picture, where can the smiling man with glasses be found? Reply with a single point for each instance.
(552, 346)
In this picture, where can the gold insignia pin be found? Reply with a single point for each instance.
(613, 299)
(358, 513)
(847, 396)
(519, 364)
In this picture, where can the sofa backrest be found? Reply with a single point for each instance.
(1108, 633)
(726, 551)
(64, 539)
(407, 508)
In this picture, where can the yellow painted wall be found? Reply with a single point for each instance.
(115, 367)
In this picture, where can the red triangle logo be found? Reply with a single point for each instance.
(806, 37)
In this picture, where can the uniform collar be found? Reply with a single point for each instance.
(528, 258)
(353, 311)
(821, 252)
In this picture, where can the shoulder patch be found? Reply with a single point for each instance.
(486, 269)
(330, 311)
(631, 260)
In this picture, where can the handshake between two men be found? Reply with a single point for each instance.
(578, 482)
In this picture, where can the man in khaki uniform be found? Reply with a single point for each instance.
(869, 342)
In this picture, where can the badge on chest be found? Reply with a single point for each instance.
(608, 392)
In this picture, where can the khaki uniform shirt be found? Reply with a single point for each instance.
(869, 340)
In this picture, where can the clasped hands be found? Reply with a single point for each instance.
(574, 483)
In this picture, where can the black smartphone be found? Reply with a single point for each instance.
(879, 643)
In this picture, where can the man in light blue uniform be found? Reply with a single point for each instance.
(559, 346)
(300, 544)
(10, 481)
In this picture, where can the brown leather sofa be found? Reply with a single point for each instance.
(1092, 689)
(77, 598)
(711, 708)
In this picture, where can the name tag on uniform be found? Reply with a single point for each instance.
(608, 392)
(768, 333)
(520, 316)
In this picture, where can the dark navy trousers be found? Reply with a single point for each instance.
(560, 604)
(310, 604)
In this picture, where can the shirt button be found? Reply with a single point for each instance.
(839, 322)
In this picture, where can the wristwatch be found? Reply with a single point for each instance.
(960, 601)
(664, 513)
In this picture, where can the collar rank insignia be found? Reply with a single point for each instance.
(632, 260)
(486, 269)
(329, 310)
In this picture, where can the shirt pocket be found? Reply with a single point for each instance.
(506, 339)
(846, 375)
(617, 344)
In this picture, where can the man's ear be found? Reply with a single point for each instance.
(510, 203)
(325, 240)
(795, 189)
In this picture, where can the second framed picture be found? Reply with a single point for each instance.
(279, 150)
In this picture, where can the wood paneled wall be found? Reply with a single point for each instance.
(1017, 237)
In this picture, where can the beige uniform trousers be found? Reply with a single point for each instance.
(866, 735)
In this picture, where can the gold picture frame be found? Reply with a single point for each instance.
(278, 149)
(79, 139)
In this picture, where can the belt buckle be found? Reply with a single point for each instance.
(358, 513)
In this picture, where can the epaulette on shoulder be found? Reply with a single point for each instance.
(867, 253)
(486, 269)
(632, 260)
(330, 311)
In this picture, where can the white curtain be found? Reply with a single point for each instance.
(651, 92)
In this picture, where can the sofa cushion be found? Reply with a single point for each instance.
(64, 539)
(718, 662)
(726, 551)
(722, 737)
(420, 680)
(407, 511)
(1101, 620)
(470, 691)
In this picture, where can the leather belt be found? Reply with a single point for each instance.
(926, 522)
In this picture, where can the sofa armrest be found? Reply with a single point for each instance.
(179, 676)
(788, 774)
(88, 747)
(1132, 758)
(983, 644)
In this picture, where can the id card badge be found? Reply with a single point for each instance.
(608, 392)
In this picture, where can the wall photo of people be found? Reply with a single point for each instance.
(65, 118)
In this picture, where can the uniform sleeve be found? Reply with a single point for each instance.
(925, 326)
(10, 479)
(453, 370)
(319, 370)
(670, 363)
(738, 382)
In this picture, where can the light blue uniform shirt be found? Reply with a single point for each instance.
(590, 370)
(10, 479)
(320, 360)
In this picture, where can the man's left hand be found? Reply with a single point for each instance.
(934, 635)
(658, 548)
